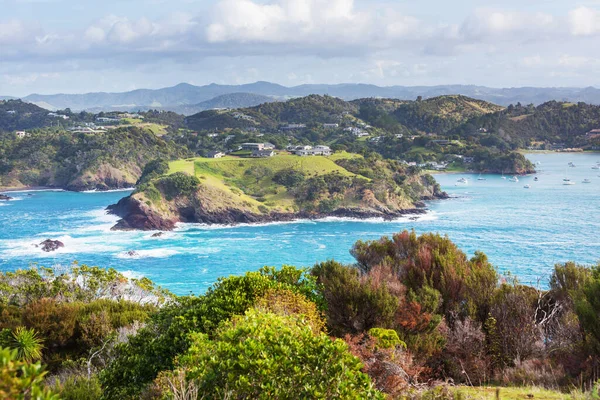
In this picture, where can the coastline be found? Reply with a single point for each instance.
(12, 189)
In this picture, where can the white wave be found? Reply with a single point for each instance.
(30, 247)
(129, 274)
(427, 216)
(152, 253)
(109, 191)
(35, 190)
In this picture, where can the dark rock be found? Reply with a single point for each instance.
(132, 253)
(5, 197)
(49, 245)
(158, 234)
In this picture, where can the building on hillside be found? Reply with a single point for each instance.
(12, 112)
(22, 134)
(468, 160)
(216, 154)
(258, 146)
(86, 129)
(211, 135)
(304, 151)
(253, 146)
(290, 127)
(108, 120)
(55, 115)
(331, 126)
(358, 132)
(262, 153)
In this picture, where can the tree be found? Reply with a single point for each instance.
(265, 355)
(259, 172)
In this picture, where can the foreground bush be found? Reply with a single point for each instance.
(269, 356)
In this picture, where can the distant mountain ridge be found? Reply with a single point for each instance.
(182, 97)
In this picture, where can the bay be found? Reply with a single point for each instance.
(523, 231)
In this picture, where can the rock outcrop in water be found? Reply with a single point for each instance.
(5, 197)
(50, 245)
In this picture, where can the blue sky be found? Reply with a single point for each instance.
(51, 46)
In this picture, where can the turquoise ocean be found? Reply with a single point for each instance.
(523, 231)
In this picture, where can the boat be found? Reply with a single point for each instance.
(568, 182)
(571, 164)
(586, 180)
(514, 179)
(503, 177)
(480, 178)
(527, 186)
(462, 180)
(536, 179)
(596, 167)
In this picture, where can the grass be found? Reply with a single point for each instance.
(510, 393)
(229, 174)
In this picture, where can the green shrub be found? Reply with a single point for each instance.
(266, 356)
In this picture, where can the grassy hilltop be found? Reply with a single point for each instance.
(234, 189)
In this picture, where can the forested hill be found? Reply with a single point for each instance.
(553, 122)
(77, 161)
(16, 114)
(305, 110)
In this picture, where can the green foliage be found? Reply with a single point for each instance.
(354, 305)
(587, 307)
(177, 184)
(79, 283)
(78, 161)
(155, 347)
(433, 261)
(386, 338)
(22, 380)
(152, 170)
(27, 343)
(264, 356)
(289, 177)
(78, 388)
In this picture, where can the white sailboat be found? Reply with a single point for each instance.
(567, 181)
(514, 179)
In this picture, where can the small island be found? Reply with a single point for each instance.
(281, 187)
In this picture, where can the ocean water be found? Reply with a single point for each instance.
(523, 231)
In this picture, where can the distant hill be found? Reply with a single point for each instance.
(305, 110)
(232, 100)
(185, 95)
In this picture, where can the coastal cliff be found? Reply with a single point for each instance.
(277, 193)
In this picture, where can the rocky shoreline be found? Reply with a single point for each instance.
(135, 216)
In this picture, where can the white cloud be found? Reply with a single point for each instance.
(584, 21)
(12, 31)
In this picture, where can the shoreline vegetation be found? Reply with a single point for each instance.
(413, 318)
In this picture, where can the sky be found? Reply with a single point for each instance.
(67, 46)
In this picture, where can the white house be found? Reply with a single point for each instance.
(22, 134)
(331, 126)
(262, 153)
(216, 154)
(55, 115)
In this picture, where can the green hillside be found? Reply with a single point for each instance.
(232, 189)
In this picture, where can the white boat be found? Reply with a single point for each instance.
(463, 181)
(596, 167)
(571, 164)
(568, 182)
(480, 178)
(586, 180)
(514, 179)
(527, 186)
